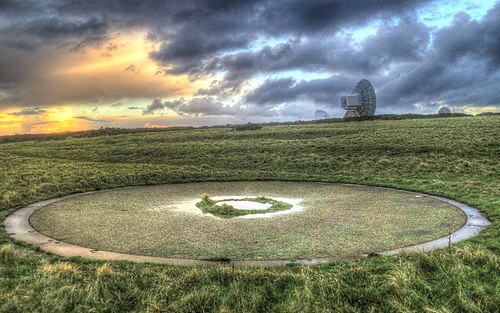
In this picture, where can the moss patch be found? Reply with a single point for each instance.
(225, 210)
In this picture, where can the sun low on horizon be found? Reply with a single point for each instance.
(68, 66)
(117, 73)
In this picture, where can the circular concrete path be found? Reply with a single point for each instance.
(18, 228)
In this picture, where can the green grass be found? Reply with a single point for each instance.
(453, 157)
(225, 210)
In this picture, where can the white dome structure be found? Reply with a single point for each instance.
(320, 115)
(444, 110)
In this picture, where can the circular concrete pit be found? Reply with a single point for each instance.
(162, 224)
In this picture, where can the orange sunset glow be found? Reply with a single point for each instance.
(118, 72)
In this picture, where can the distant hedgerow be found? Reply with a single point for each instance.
(249, 126)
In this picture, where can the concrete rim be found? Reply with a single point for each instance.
(18, 227)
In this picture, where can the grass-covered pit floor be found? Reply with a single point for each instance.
(337, 220)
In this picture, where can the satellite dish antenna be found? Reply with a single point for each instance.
(320, 115)
(444, 110)
(361, 102)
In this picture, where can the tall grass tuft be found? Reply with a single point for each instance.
(9, 254)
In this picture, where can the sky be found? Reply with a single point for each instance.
(76, 65)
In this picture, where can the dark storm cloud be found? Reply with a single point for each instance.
(31, 111)
(461, 67)
(195, 106)
(203, 106)
(90, 119)
(467, 37)
(130, 68)
(401, 43)
(224, 27)
(273, 91)
(404, 41)
(320, 91)
(116, 103)
(5, 86)
(207, 106)
(32, 33)
(156, 105)
(191, 32)
(236, 42)
(319, 16)
(54, 28)
(38, 29)
(16, 9)
(45, 123)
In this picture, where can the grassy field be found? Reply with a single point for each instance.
(162, 221)
(454, 157)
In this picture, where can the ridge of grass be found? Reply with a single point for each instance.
(225, 210)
